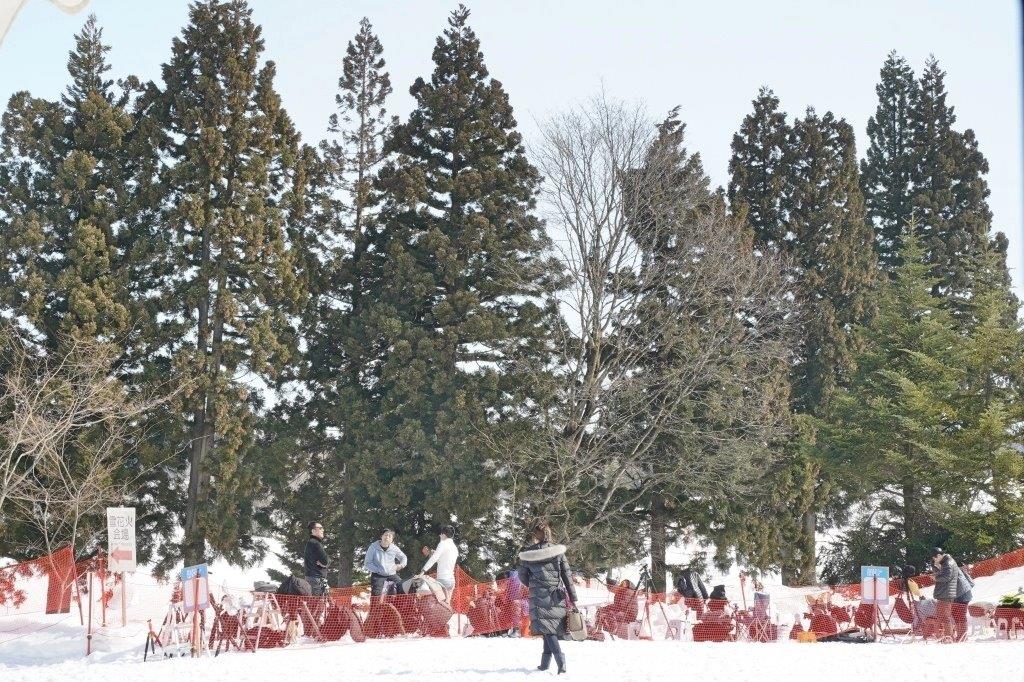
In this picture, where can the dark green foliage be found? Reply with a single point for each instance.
(926, 430)
(831, 250)
(233, 198)
(757, 176)
(454, 301)
(318, 434)
(798, 187)
(76, 223)
(888, 171)
(950, 193)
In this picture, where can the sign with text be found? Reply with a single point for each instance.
(870, 576)
(195, 587)
(121, 539)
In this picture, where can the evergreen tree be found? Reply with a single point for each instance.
(799, 190)
(950, 193)
(901, 427)
(983, 513)
(76, 226)
(72, 204)
(320, 437)
(757, 175)
(454, 302)
(233, 178)
(831, 248)
(887, 172)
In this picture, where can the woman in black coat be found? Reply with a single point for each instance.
(544, 569)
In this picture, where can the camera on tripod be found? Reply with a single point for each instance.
(644, 584)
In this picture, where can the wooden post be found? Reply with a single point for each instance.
(88, 632)
(124, 597)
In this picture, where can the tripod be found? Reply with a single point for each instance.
(644, 585)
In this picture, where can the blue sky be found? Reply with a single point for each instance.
(709, 58)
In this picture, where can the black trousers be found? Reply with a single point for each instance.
(318, 585)
(551, 645)
(379, 582)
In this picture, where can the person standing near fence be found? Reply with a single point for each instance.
(383, 561)
(952, 592)
(445, 557)
(315, 559)
(544, 569)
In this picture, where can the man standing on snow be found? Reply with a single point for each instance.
(445, 556)
(953, 594)
(315, 559)
(383, 562)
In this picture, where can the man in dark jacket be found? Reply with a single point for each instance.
(315, 559)
(545, 571)
(952, 592)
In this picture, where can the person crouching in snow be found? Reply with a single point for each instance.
(444, 557)
(544, 570)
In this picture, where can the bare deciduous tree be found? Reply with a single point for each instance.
(674, 332)
(65, 423)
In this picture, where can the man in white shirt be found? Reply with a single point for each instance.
(444, 557)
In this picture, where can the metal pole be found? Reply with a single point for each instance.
(876, 613)
(88, 632)
(195, 616)
(78, 593)
(103, 593)
(124, 599)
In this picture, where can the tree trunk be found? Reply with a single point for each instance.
(659, 533)
(808, 570)
(193, 543)
(346, 534)
(911, 519)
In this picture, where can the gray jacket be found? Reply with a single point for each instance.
(543, 569)
(951, 583)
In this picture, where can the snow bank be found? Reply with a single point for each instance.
(514, 659)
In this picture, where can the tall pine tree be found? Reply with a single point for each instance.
(950, 193)
(887, 172)
(799, 190)
(757, 176)
(233, 178)
(77, 235)
(321, 436)
(455, 298)
(930, 422)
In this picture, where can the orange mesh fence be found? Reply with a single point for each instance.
(249, 620)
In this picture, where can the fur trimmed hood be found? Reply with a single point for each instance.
(542, 553)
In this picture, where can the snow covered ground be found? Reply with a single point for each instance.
(38, 647)
(514, 659)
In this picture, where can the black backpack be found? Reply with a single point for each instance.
(298, 587)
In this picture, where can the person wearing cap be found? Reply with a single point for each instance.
(952, 593)
(315, 560)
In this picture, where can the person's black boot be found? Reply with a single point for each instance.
(560, 660)
(545, 661)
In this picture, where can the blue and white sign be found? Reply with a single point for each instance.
(870, 577)
(195, 587)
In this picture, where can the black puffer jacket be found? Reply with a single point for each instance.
(543, 569)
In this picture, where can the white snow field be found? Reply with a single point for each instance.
(37, 647)
(514, 659)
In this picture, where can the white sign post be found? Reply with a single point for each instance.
(121, 548)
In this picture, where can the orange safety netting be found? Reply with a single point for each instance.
(249, 620)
